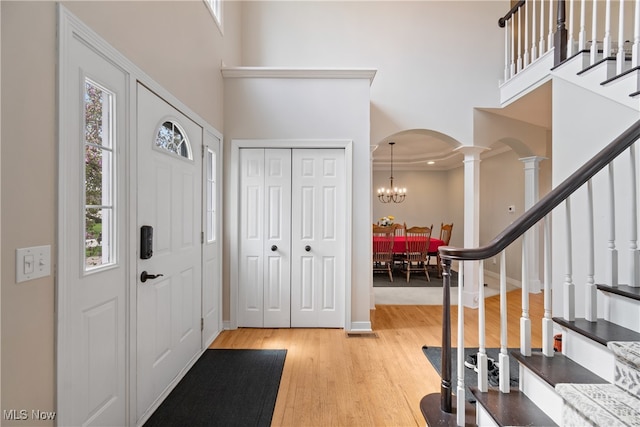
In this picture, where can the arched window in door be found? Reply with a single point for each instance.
(172, 138)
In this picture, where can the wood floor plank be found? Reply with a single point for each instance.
(330, 378)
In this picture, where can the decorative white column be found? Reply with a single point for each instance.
(471, 220)
(532, 241)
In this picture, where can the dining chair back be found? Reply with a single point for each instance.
(417, 241)
(383, 249)
(445, 236)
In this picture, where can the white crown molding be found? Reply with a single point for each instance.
(298, 73)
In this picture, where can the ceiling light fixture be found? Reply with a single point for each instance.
(391, 194)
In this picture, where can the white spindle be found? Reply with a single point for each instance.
(635, 50)
(460, 394)
(612, 259)
(620, 56)
(526, 34)
(582, 33)
(547, 321)
(507, 60)
(505, 381)
(534, 32)
(542, 44)
(525, 321)
(483, 384)
(606, 41)
(634, 279)
(590, 290)
(550, 36)
(594, 33)
(513, 48)
(570, 40)
(519, 14)
(569, 287)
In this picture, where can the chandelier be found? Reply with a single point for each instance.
(391, 194)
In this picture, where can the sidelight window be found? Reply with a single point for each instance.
(99, 176)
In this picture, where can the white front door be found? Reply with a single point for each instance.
(168, 197)
(291, 270)
(92, 256)
(318, 238)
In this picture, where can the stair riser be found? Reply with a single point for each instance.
(622, 311)
(483, 418)
(624, 86)
(542, 394)
(590, 354)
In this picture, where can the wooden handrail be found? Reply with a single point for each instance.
(503, 20)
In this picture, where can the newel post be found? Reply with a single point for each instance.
(560, 37)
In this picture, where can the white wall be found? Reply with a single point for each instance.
(308, 108)
(583, 124)
(432, 59)
(145, 32)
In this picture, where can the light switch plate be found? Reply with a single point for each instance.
(33, 262)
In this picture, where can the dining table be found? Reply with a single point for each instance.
(399, 244)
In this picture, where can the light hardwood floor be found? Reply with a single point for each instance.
(330, 379)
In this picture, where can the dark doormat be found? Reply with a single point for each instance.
(434, 355)
(225, 388)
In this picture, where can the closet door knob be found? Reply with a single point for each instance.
(307, 248)
(274, 248)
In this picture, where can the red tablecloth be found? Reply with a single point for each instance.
(399, 244)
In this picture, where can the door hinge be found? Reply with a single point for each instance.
(202, 323)
(202, 237)
(202, 152)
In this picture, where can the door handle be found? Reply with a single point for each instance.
(144, 276)
(274, 248)
(307, 248)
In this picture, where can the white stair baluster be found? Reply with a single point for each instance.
(635, 50)
(570, 30)
(620, 56)
(612, 259)
(582, 32)
(483, 385)
(550, 36)
(525, 321)
(594, 34)
(526, 35)
(606, 41)
(591, 297)
(547, 321)
(534, 32)
(513, 47)
(519, 14)
(542, 43)
(634, 265)
(507, 60)
(505, 380)
(568, 287)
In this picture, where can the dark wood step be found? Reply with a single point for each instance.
(511, 409)
(600, 331)
(430, 407)
(557, 369)
(627, 291)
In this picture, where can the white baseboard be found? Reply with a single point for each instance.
(494, 279)
(360, 327)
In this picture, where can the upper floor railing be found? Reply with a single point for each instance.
(605, 28)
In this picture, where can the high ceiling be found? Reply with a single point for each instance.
(414, 149)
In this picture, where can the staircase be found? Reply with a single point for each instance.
(595, 378)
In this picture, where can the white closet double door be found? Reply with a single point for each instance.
(292, 238)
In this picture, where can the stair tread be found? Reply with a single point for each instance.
(601, 331)
(511, 409)
(434, 416)
(627, 291)
(557, 369)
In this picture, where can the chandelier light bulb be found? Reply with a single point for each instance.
(388, 195)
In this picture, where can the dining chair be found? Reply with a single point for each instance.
(383, 249)
(417, 241)
(445, 236)
(398, 239)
